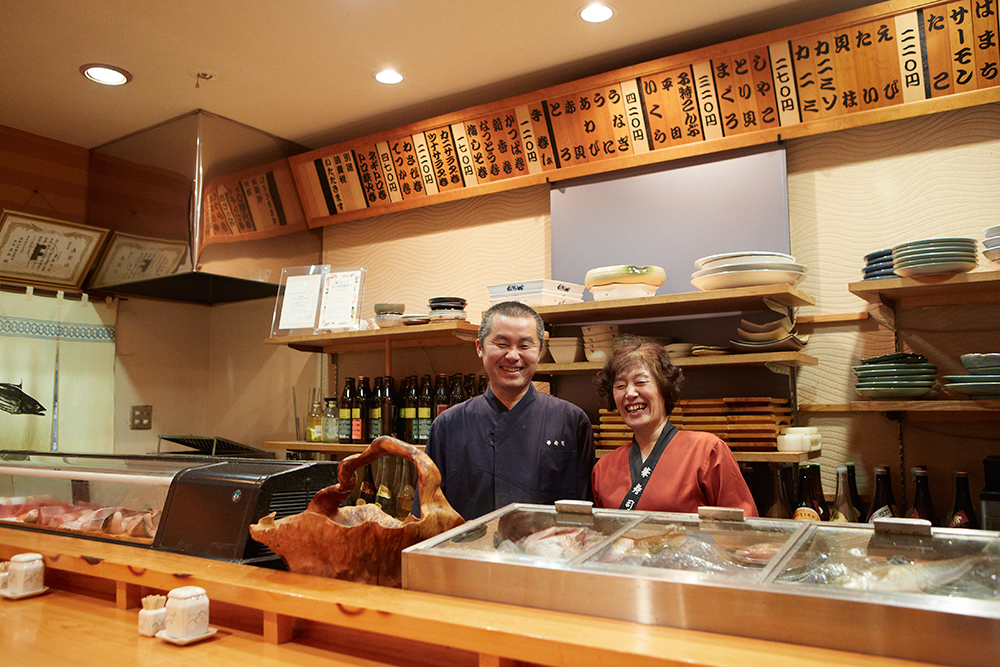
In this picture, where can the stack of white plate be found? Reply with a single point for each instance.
(745, 269)
(983, 380)
(446, 308)
(892, 380)
(777, 336)
(992, 243)
(536, 292)
(934, 256)
(599, 341)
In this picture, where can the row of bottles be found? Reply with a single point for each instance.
(811, 504)
(389, 483)
(365, 412)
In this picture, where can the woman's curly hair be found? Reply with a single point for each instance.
(632, 351)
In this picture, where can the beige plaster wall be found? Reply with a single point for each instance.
(866, 189)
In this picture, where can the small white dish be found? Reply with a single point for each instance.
(992, 231)
(179, 641)
(776, 266)
(992, 242)
(20, 596)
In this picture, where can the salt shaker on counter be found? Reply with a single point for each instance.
(25, 574)
(187, 612)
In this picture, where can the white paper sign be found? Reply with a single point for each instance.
(341, 296)
(298, 310)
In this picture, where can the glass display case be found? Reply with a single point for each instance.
(899, 588)
(196, 505)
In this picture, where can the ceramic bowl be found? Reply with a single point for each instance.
(388, 320)
(979, 360)
(600, 338)
(566, 353)
(398, 308)
(992, 242)
(597, 355)
(767, 336)
(992, 231)
(625, 274)
(596, 329)
(622, 291)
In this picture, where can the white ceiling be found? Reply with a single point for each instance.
(303, 69)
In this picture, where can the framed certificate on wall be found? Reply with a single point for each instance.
(45, 251)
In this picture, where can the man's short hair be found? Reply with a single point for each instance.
(510, 309)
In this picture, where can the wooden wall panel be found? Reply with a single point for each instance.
(56, 170)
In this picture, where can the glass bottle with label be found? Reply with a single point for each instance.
(779, 508)
(425, 409)
(407, 483)
(344, 412)
(883, 501)
(484, 382)
(389, 406)
(375, 410)
(806, 507)
(843, 507)
(410, 401)
(331, 421)
(367, 494)
(441, 401)
(922, 507)
(457, 391)
(817, 481)
(385, 496)
(852, 485)
(360, 412)
(963, 514)
(314, 423)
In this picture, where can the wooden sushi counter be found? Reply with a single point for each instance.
(267, 617)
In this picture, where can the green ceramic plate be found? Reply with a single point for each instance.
(912, 392)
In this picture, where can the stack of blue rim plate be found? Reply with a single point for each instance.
(983, 380)
(879, 265)
(935, 256)
(895, 376)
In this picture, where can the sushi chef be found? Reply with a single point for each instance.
(663, 469)
(511, 443)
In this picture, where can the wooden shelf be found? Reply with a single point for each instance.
(786, 359)
(974, 287)
(320, 447)
(670, 305)
(930, 409)
(420, 335)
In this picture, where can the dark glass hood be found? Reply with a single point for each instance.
(149, 184)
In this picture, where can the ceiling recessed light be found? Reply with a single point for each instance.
(388, 76)
(109, 75)
(596, 13)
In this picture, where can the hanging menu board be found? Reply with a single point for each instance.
(857, 68)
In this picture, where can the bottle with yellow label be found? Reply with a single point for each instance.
(806, 506)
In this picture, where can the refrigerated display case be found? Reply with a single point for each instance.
(195, 505)
(899, 588)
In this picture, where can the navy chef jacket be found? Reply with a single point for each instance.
(539, 452)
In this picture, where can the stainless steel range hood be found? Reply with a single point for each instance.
(149, 185)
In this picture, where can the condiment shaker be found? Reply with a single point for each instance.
(26, 574)
(187, 612)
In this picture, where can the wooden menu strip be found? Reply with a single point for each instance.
(889, 61)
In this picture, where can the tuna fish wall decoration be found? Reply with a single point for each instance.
(16, 402)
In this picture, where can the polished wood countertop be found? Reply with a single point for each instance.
(272, 617)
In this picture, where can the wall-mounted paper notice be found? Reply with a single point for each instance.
(298, 310)
(341, 300)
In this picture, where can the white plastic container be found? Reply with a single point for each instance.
(25, 574)
(187, 612)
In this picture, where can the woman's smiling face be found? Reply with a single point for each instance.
(638, 399)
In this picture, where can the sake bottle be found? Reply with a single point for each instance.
(779, 508)
(410, 428)
(457, 391)
(441, 401)
(963, 514)
(817, 482)
(806, 506)
(883, 502)
(360, 411)
(843, 507)
(388, 408)
(852, 485)
(922, 507)
(425, 409)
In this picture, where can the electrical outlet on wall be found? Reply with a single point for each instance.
(142, 417)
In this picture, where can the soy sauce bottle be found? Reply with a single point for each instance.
(883, 502)
(963, 514)
(806, 506)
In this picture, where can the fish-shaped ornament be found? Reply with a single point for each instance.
(16, 402)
